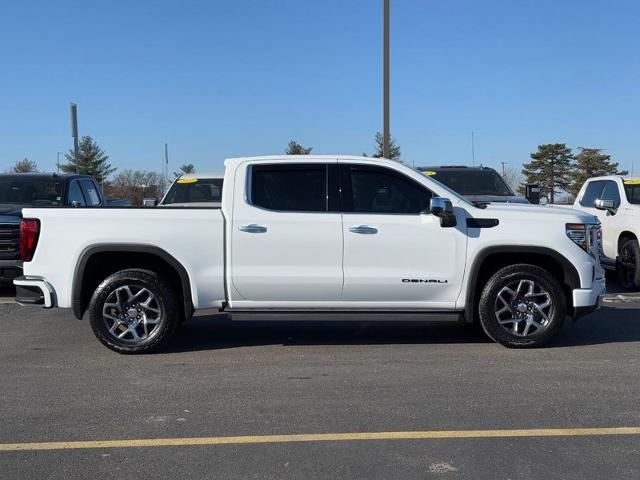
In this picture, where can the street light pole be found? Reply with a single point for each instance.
(74, 133)
(386, 138)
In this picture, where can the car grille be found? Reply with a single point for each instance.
(9, 241)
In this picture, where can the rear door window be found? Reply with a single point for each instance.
(290, 187)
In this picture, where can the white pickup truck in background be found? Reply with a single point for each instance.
(615, 200)
(315, 237)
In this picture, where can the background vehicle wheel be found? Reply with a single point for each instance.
(628, 266)
(134, 311)
(522, 306)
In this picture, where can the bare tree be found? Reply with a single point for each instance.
(512, 177)
(135, 185)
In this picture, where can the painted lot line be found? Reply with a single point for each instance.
(320, 437)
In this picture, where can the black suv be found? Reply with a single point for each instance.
(22, 190)
(476, 184)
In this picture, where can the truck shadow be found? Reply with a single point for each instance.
(607, 325)
(218, 332)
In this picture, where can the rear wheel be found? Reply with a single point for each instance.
(134, 311)
(628, 266)
(522, 306)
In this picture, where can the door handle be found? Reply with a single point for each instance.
(253, 228)
(364, 230)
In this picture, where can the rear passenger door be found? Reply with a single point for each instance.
(286, 236)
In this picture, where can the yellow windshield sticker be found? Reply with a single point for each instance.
(187, 180)
(429, 173)
(632, 182)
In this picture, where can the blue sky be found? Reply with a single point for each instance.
(216, 79)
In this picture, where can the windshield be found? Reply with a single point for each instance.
(632, 190)
(31, 191)
(194, 190)
(473, 182)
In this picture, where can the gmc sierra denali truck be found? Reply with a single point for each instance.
(615, 200)
(315, 237)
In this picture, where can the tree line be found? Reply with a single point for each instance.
(556, 168)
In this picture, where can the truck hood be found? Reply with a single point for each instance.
(497, 199)
(538, 212)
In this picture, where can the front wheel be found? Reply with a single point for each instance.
(134, 311)
(522, 306)
(628, 266)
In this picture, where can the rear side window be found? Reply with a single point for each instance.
(367, 189)
(90, 192)
(75, 194)
(592, 193)
(611, 192)
(290, 187)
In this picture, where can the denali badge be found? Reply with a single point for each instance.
(423, 280)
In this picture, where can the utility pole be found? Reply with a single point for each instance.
(473, 150)
(386, 132)
(503, 164)
(58, 160)
(165, 171)
(74, 133)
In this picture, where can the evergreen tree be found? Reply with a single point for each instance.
(92, 160)
(551, 167)
(591, 162)
(394, 149)
(294, 148)
(185, 168)
(24, 166)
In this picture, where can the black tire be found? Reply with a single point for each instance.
(163, 310)
(522, 275)
(628, 265)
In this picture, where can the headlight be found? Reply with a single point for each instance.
(587, 236)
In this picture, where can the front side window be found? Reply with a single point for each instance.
(290, 187)
(90, 192)
(75, 194)
(369, 189)
(592, 193)
(610, 192)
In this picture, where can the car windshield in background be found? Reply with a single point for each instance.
(632, 190)
(473, 182)
(195, 190)
(42, 192)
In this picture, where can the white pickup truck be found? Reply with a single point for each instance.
(615, 200)
(315, 237)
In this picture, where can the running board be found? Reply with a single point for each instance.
(343, 316)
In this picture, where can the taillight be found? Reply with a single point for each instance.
(29, 232)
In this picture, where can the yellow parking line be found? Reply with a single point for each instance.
(320, 437)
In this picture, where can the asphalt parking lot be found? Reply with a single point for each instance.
(348, 382)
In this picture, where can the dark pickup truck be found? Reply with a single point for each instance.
(21, 190)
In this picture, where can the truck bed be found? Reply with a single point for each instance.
(192, 236)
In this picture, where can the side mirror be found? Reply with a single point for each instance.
(532, 193)
(442, 207)
(607, 205)
(149, 202)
